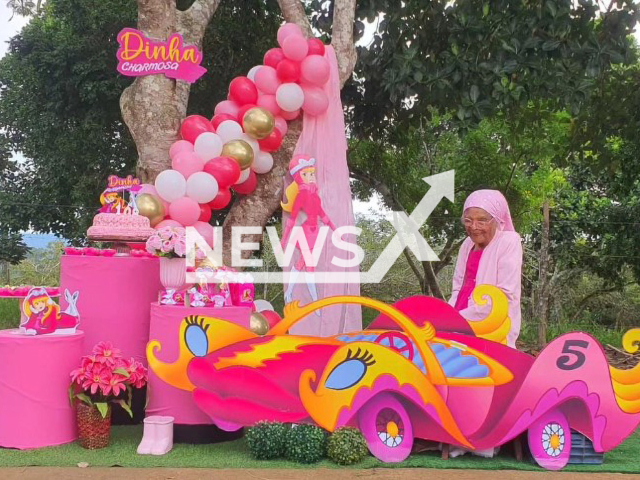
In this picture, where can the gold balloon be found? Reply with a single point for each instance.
(258, 324)
(258, 123)
(151, 207)
(240, 151)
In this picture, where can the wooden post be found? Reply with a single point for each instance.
(543, 280)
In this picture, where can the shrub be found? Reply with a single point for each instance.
(266, 440)
(347, 446)
(306, 444)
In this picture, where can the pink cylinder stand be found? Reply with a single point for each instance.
(164, 399)
(34, 381)
(115, 294)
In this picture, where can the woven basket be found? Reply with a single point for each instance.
(93, 430)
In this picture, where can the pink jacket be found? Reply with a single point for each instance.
(501, 266)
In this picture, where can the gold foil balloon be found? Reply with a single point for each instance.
(240, 151)
(258, 123)
(258, 324)
(151, 207)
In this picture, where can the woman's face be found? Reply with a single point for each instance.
(480, 226)
(38, 306)
(308, 175)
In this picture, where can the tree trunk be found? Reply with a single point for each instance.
(431, 280)
(154, 106)
(543, 281)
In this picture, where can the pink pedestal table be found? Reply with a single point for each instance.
(167, 400)
(34, 380)
(115, 294)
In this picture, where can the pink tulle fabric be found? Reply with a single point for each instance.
(323, 137)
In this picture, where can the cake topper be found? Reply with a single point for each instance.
(113, 198)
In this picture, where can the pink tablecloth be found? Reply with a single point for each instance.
(165, 327)
(34, 380)
(115, 294)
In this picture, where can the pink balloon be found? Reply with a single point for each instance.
(290, 115)
(288, 29)
(267, 80)
(315, 69)
(295, 47)
(167, 223)
(180, 146)
(281, 124)
(187, 163)
(184, 210)
(228, 107)
(268, 102)
(316, 101)
(206, 231)
(248, 186)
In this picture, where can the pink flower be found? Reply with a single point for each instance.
(137, 374)
(105, 353)
(115, 385)
(79, 375)
(98, 378)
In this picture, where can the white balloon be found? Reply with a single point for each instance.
(289, 97)
(263, 305)
(252, 73)
(262, 163)
(244, 174)
(202, 187)
(171, 185)
(229, 130)
(208, 145)
(255, 146)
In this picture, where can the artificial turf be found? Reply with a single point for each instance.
(125, 439)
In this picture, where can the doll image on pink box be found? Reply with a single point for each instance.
(242, 290)
(43, 315)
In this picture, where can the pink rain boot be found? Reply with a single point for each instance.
(148, 437)
(163, 437)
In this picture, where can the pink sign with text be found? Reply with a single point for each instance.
(139, 56)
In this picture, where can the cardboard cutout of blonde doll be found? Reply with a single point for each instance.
(43, 315)
(302, 196)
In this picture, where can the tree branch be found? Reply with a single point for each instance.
(415, 270)
(344, 12)
(193, 21)
(431, 279)
(293, 11)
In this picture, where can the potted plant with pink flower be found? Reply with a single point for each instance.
(103, 378)
(169, 244)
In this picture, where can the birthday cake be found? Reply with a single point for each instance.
(111, 226)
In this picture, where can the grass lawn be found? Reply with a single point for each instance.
(125, 439)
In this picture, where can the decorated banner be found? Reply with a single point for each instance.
(139, 56)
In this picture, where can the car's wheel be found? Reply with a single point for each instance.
(550, 440)
(386, 427)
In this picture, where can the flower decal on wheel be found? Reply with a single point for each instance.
(390, 428)
(553, 439)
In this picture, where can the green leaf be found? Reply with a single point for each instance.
(84, 398)
(103, 408)
(72, 394)
(474, 93)
(122, 371)
(126, 407)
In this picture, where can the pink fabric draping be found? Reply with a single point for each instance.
(115, 298)
(165, 327)
(323, 137)
(34, 381)
(501, 266)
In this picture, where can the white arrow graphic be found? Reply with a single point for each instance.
(442, 185)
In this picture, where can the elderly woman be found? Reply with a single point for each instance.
(491, 254)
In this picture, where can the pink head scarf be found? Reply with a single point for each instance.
(494, 203)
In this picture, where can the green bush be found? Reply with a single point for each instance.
(347, 446)
(266, 440)
(306, 444)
